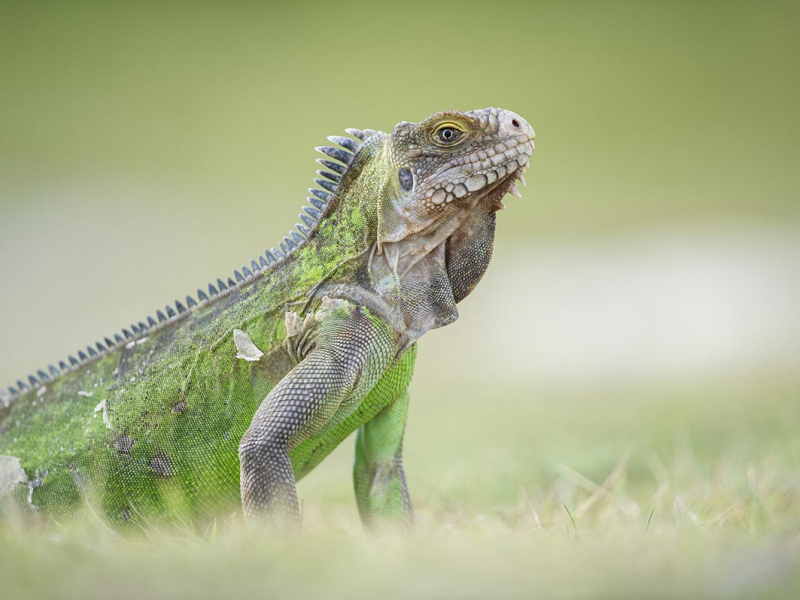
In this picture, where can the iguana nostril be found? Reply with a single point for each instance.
(512, 125)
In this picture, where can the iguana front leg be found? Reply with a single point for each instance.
(352, 351)
(380, 482)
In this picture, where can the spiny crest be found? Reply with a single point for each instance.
(328, 181)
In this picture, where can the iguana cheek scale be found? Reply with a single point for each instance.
(232, 397)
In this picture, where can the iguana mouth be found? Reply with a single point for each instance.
(494, 193)
(496, 167)
(514, 167)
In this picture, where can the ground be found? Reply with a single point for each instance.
(693, 493)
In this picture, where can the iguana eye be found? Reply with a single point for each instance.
(448, 134)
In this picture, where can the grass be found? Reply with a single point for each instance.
(685, 491)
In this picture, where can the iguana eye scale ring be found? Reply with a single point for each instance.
(448, 134)
(240, 391)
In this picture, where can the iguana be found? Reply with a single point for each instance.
(236, 394)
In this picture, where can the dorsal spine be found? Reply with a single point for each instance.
(337, 163)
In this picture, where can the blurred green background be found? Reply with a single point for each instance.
(638, 332)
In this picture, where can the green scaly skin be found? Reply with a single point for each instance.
(235, 399)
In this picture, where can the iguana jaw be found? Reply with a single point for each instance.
(494, 193)
(488, 173)
(468, 249)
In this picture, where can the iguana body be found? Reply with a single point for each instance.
(237, 396)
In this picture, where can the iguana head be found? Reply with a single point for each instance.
(442, 182)
(449, 161)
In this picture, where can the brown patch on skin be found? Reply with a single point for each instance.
(123, 444)
(160, 465)
(179, 407)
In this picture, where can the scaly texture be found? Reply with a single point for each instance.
(237, 395)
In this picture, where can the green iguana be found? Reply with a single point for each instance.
(237, 394)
